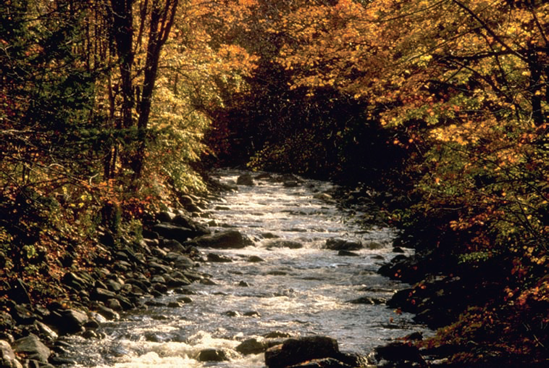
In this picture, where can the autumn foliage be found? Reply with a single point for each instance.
(107, 106)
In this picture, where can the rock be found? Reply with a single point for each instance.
(212, 257)
(32, 348)
(245, 179)
(347, 253)
(243, 284)
(295, 351)
(6, 321)
(290, 184)
(230, 239)
(108, 313)
(255, 259)
(101, 294)
(7, 356)
(212, 355)
(21, 314)
(173, 245)
(276, 335)
(70, 321)
(374, 245)
(323, 197)
(46, 331)
(278, 243)
(171, 231)
(252, 314)
(341, 244)
(189, 223)
(399, 353)
(251, 346)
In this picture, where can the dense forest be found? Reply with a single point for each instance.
(111, 110)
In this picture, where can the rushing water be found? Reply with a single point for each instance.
(302, 291)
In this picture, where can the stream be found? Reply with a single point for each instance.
(299, 292)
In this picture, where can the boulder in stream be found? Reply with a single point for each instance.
(280, 243)
(341, 244)
(231, 239)
(245, 179)
(299, 350)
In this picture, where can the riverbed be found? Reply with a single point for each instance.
(285, 284)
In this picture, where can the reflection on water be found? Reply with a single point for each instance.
(301, 292)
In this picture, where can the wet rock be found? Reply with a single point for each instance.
(7, 356)
(398, 354)
(185, 300)
(231, 239)
(231, 314)
(276, 335)
(255, 259)
(251, 346)
(252, 314)
(213, 355)
(114, 304)
(374, 246)
(6, 321)
(102, 294)
(21, 314)
(173, 245)
(108, 313)
(212, 257)
(70, 321)
(188, 222)
(290, 184)
(341, 244)
(279, 243)
(46, 331)
(32, 348)
(347, 253)
(171, 231)
(175, 305)
(295, 351)
(245, 179)
(323, 197)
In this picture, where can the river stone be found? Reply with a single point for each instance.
(399, 352)
(108, 313)
(231, 239)
(71, 321)
(212, 257)
(46, 331)
(255, 259)
(341, 244)
(7, 356)
(213, 355)
(188, 222)
(295, 351)
(347, 253)
(251, 346)
(279, 243)
(171, 231)
(245, 179)
(32, 348)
